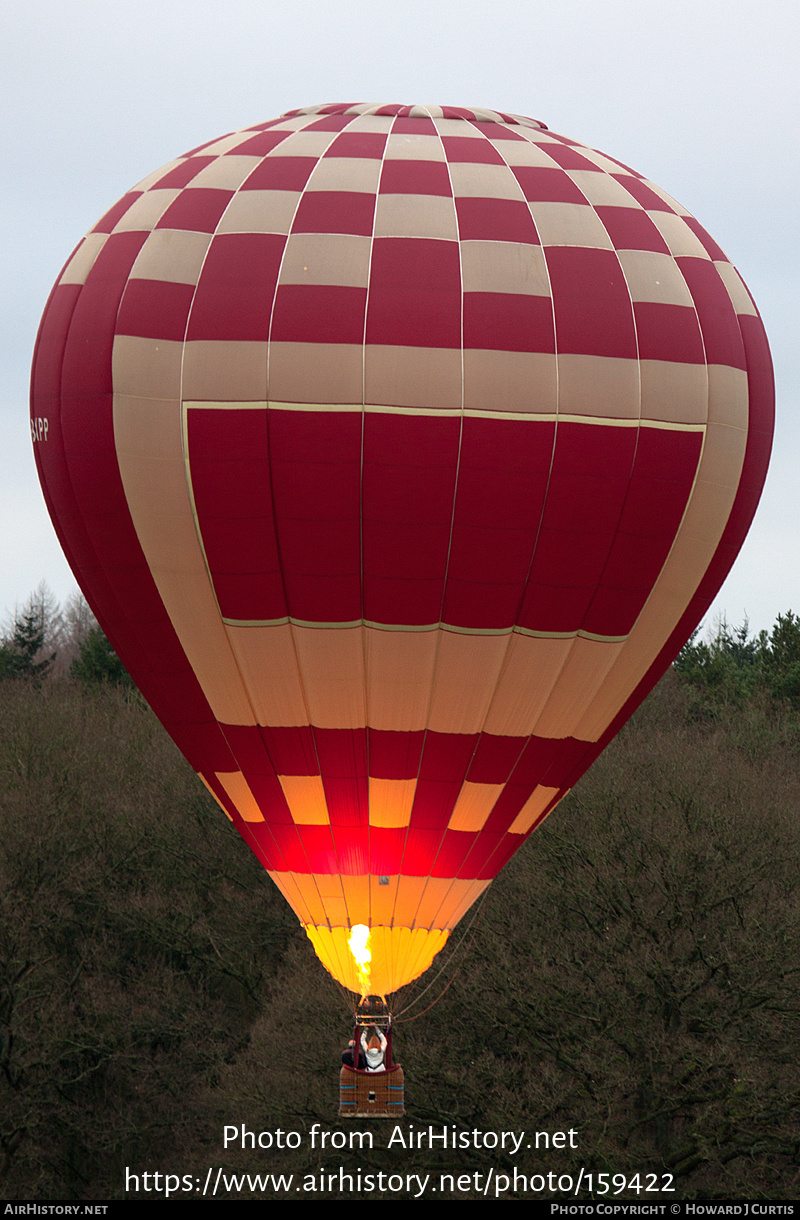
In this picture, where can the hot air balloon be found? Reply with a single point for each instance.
(398, 450)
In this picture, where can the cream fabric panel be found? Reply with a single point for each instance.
(224, 371)
(532, 668)
(533, 808)
(267, 661)
(326, 258)
(598, 385)
(522, 382)
(467, 672)
(415, 216)
(382, 900)
(238, 790)
(305, 797)
(356, 896)
(390, 801)
(332, 671)
(475, 803)
(172, 255)
(570, 224)
(83, 259)
(216, 798)
(315, 372)
(673, 392)
(400, 667)
(149, 441)
(147, 368)
(582, 676)
(412, 376)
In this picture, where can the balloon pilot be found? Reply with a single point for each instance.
(370, 1083)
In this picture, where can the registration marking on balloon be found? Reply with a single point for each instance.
(398, 450)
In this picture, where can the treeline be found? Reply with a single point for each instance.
(43, 640)
(734, 665)
(632, 974)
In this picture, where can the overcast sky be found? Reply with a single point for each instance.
(698, 95)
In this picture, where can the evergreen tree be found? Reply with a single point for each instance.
(97, 662)
(24, 654)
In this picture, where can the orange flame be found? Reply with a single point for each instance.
(359, 947)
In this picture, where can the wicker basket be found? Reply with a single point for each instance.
(371, 1094)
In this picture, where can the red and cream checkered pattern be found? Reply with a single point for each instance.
(398, 449)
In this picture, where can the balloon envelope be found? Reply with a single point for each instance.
(397, 450)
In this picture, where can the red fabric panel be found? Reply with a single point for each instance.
(342, 752)
(540, 184)
(234, 295)
(631, 229)
(668, 332)
(588, 482)
(278, 173)
(109, 220)
(154, 309)
(405, 126)
(406, 177)
(494, 759)
(495, 220)
(483, 848)
(452, 854)
(335, 212)
(228, 452)
(408, 484)
(347, 800)
(315, 460)
(182, 173)
(569, 158)
(422, 844)
(434, 802)
(414, 292)
(721, 333)
(258, 145)
(197, 209)
(394, 755)
(592, 305)
(292, 750)
(467, 148)
(503, 474)
(508, 321)
(319, 847)
(714, 251)
(343, 762)
(358, 144)
(352, 851)
(386, 847)
(319, 313)
(446, 756)
(643, 194)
